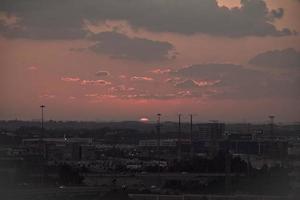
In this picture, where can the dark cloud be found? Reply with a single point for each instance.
(40, 33)
(287, 58)
(235, 81)
(277, 13)
(193, 16)
(42, 19)
(120, 46)
(57, 19)
(102, 73)
(208, 71)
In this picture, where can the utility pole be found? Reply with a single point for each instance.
(158, 145)
(43, 131)
(191, 135)
(42, 145)
(42, 112)
(179, 137)
(227, 167)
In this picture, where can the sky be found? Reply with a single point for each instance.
(112, 60)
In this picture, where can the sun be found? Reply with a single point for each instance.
(144, 119)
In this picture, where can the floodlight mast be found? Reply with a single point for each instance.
(158, 145)
(42, 112)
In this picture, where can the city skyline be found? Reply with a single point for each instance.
(112, 60)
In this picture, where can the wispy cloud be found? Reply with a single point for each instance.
(189, 84)
(99, 98)
(141, 78)
(70, 79)
(95, 82)
(48, 96)
(160, 71)
(121, 88)
(91, 95)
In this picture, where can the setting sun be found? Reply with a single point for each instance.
(144, 119)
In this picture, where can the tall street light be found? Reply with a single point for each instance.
(158, 145)
(42, 112)
(42, 132)
(179, 137)
(191, 135)
(43, 148)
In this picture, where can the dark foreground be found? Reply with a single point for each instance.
(96, 193)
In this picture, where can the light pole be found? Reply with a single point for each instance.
(42, 111)
(43, 145)
(43, 148)
(191, 135)
(158, 145)
(179, 137)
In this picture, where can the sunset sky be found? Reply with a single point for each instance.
(116, 60)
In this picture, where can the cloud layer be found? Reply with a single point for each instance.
(120, 46)
(285, 58)
(56, 19)
(235, 81)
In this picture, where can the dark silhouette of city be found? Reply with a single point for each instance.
(138, 160)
